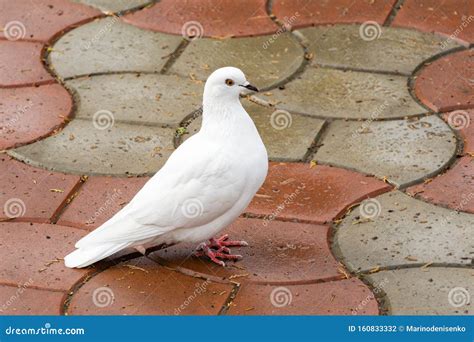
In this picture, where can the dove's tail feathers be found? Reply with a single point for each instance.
(86, 256)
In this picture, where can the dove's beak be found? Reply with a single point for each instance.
(249, 86)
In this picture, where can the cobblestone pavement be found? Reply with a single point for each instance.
(366, 111)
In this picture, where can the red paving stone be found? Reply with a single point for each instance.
(41, 20)
(23, 300)
(28, 114)
(31, 194)
(344, 297)
(222, 18)
(451, 17)
(277, 252)
(33, 252)
(99, 199)
(452, 189)
(20, 64)
(445, 84)
(318, 194)
(301, 13)
(142, 287)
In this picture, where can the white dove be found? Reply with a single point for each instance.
(204, 186)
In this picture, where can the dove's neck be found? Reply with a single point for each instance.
(227, 118)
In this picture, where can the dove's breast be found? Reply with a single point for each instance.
(243, 167)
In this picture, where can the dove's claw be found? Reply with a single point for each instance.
(224, 241)
(204, 250)
(217, 249)
(233, 257)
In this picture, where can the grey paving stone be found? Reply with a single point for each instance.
(402, 151)
(395, 229)
(346, 94)
(264, 60)
(396, 50)
(137, 98)
(113, 5)
(429, 291)
(110, 45)
(286, 136)
(121, 149)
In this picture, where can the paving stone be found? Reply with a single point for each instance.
(264, 60)
(431, 291)
(23, 300)
(286, 136)
(354, 46)
(452, 189)
(446, 84)
(277, 252)
(39, 20)
(224, 18)
(343, 297)
(114, 6)
(451, 18)
(99, 199)
(30, 113)
(346, 94)
(138, 98)
(109, 45)
(117, 149)
(142, 287)
(34, 194)
(317, 194)
(20, 64)
(395, 229)
(308, 12)
(401, 151)
(37, 259)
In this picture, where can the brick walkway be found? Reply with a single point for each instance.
(366, 112)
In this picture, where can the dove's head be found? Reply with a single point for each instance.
(226, 83)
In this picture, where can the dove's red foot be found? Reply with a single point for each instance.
(219, 249)
(224, 242)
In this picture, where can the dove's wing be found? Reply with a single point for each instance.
(185, 193)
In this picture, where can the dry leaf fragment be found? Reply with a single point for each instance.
(133, 267)
(287, 181)
(238, 276)
(375, 269)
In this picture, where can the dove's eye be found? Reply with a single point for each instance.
(229, 82)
